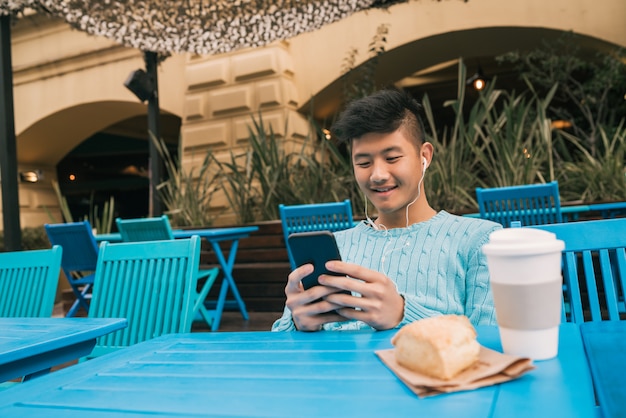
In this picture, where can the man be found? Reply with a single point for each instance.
(411, 262)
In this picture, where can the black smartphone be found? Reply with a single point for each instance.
(316, 248)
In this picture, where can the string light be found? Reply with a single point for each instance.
(478, 80)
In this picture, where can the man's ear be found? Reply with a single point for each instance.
(426, 151)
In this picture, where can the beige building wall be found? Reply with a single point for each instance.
(425, 33)
(223, 95)
(68, 86)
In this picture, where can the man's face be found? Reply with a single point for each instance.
(387, 168)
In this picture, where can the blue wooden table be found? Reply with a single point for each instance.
(574, 212)
(602, 210)
(31, 346)
(215, 236)
(291, 374)
(605, 344)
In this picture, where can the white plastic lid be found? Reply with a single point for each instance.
(522, 241)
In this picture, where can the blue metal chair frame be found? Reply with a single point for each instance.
(532, 204)
(594, 267)
(80, 256)
(28, 282)
(333, 216)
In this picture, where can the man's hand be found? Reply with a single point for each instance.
(379, 305)
(309, 308)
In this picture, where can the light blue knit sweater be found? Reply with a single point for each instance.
(437, 266)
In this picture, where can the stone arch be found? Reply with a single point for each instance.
(68, 86)
(44, 144)
(48, 140)
(423, 34)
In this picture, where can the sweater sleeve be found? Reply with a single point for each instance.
(414, 310)
(285, 322)
(479, 303)
(451, 271)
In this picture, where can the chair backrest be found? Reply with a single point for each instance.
(28, 282)
(152, 284)
(145, 229)
(532, 204)
(594, 267)
(333, 216)
(80, 250)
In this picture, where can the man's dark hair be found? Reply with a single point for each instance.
(382, 112)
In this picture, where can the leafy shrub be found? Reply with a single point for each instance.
(33, 238)
(599, 178)
(257, 180)
(187, 196)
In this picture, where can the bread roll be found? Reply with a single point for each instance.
(440, 346)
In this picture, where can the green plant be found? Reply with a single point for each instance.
(321, 172)
(596, 178)
(187, 196)
(590, 91)
(515, 141)
(33, 238)
(257, 186)
(272, 171)
(453, 173)
(65, 208)
(504, 139)
(272, 165)
(238, 185)
(359, 81)
(103, 223)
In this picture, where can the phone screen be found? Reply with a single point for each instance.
(315, 248)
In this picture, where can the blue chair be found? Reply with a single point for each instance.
(333, 216)
(80, 256)
(145, 229)
(594, 267)
(151, 283)
(159, 229)
(28, 282)
(531, 204)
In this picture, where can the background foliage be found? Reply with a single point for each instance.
(503, 138)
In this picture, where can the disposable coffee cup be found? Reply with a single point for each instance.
(525, 276)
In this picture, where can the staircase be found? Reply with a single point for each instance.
(261, 268)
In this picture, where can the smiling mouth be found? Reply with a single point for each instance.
(383, 189)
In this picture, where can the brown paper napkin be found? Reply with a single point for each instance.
(492, 367)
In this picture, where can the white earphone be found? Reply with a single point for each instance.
(425, 164)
